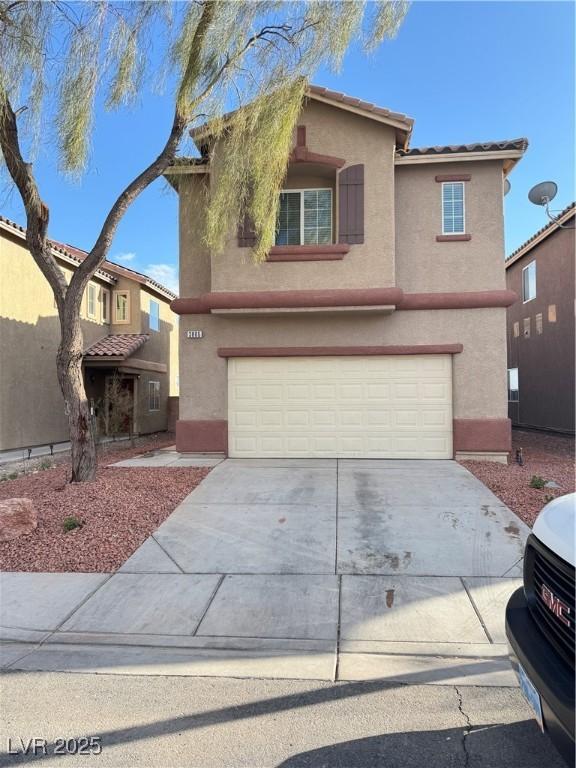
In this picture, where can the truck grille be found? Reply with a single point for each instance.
(549, 587)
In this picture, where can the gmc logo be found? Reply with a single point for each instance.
(554, 604)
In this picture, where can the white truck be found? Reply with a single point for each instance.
(540, 623)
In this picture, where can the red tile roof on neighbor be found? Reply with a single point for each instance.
(544, 231)
(451, 149)
(108, 269)
(58, 247)
(116, 269)
(120, 345)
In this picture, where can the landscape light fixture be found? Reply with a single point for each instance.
(543, 194)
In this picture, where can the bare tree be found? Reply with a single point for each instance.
(55, 57)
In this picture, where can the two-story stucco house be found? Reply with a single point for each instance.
(377, 326)
(541, 359)
(130, 333)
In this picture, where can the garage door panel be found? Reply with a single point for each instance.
(379, 407)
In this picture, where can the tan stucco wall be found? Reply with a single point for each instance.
(479, 371)
(31, 405)
(331, 132)
(422, 264)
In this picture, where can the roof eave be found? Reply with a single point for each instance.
(402, 125)
(58, 253)
(539, 237)
(509, 157)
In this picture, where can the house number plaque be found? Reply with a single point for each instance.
(194, 334)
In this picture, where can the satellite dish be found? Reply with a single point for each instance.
(543, 193)
(506, 186)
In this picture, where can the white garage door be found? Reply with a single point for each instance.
(362, 407)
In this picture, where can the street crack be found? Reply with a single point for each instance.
(467, 729)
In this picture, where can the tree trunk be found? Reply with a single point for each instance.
(71, 379)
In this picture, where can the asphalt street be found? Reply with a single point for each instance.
(165, 721)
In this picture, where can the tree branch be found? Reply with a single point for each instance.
(161, 163)
(36, 211)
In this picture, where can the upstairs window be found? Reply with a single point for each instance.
(91, 301)
(529, 282)
(305, 217)
(513, 385)
(121, 306)
(105, 294)
(453, 208)
(154, 316)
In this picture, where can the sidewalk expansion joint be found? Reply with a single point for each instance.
(168, 555)
(210, 601)
(478, 614)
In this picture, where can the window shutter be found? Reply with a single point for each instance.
(351, 205)
(246, 233)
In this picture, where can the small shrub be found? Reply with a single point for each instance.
(72, 522)
(45, 464)
(12, 475)
(537, 482)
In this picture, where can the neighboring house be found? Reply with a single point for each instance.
(541, 382)
(377, 325)
(128, 329)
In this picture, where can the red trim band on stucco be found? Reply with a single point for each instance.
(477, 435)
(359, 297)
(333, 252)
(453, 177)
(415, 349)
(453, 238)
(202, 436)
(303, 155)
(465, 300)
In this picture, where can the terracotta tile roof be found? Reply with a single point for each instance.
(451, 149)
(545, 230)
(116, 269)
(109, 270)
(336, 98)
(365, 106)
(120, 345)
(67, 250)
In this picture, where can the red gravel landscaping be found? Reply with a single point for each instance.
(119, 510)
(548, 456)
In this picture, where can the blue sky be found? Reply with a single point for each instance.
(465, 71)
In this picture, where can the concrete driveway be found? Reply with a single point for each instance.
(324, 569)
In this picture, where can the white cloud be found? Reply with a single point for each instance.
(166, 274)
(124, 257)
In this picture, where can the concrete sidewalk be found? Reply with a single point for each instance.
(329, 570)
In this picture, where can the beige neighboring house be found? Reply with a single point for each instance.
(377, 326)
(128, 327)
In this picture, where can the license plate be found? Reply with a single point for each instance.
(530, 694)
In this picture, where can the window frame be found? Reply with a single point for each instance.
(524, 269)
(451, 184)
(126, 321)
(157, 304)
(105, 305)
(92, 289)
(153, 396)
(301, 191)
(510, 390)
